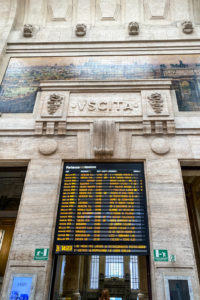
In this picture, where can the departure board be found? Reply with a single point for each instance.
(102, 210)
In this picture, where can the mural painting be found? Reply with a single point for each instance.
(23, 75)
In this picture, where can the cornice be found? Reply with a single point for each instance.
(105, 86)
(88, 48)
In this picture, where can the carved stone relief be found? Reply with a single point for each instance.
(133, 106)
(51, 113)
(133, 28)
(157, 9)
(105, 104)
(160, 146)
(54, 103)
(60, 10)
(80, 30)
(158, 117)
(156, 102)
(28, 30)
(103, 137)
(48, 147)
(187, 27)
(108, 9)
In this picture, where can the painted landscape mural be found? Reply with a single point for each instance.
(23, 75)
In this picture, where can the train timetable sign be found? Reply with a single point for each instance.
(102, 210)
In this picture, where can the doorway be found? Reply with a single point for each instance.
(85, 276)
(191, 179)
(11, 185)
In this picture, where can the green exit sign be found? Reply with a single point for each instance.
(160, 255)
(41, 254)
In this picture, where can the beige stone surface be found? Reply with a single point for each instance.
(87, 103)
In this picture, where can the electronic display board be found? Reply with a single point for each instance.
(102, 210)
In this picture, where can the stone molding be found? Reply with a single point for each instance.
(122, 47)
(107, 85)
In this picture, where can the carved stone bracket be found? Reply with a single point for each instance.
(103, 137)
(133, 28)
(159, 127)
(50, 128)
(187, 27)
(80, 30)
(28, 30)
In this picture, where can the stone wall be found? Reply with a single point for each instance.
(160, 136)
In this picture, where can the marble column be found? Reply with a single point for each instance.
(72, 277)
(143, 276)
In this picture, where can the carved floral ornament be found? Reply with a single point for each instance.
(54, 103)
(156, 102)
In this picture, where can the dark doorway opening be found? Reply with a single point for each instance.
(11, 186)
(191, 179)
(84, 277)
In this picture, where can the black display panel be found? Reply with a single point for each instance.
(102, 210)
